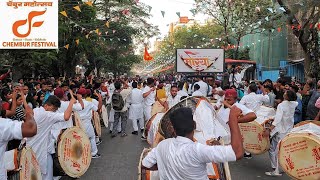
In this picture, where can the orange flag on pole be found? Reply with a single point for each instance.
(147, 56)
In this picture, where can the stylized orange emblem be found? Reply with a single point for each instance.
(19, 23)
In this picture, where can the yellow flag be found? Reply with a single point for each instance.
(87, 36)
(66, 46)
(77, 41)
(108, 24)
(77, 8)
(89, 3)
(64, 13)
(97, 31)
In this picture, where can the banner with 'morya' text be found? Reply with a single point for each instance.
(29, 24)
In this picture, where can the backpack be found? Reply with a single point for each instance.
(117, 101)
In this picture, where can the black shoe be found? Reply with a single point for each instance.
(142, 130)
(99, 142)
(135, 132)
(119, 132)
(96, 156)
(247, 156)
(143, 138)
(110, 131)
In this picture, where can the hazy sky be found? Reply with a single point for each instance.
(170, 7)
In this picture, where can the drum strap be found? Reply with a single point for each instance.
(73, 119)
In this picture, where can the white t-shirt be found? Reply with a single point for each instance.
(9, 130)
(203, 87)
(253, 101)
(150, 99)
(39, 143)
(181, 158)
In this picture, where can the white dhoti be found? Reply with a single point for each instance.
(135, 115)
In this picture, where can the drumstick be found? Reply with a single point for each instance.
(226, 165)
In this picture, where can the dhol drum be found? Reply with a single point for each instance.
(22, 165)
(307, 122)
(73, 153)
(96, 123)
(207, 128)
(104, 113)
(144, 174)
(151, 130)
(158, 108)
(299, 152)
(253, 141)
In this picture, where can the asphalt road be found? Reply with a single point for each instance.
(120, 157)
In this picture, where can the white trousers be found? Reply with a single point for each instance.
(274, 151)
(49, 175)
(147, 112)
(94, 149)
(135, 124)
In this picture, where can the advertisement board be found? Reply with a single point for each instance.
(29, 24)
(200, 60)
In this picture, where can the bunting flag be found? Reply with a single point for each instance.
(108, 24)
(77, 42)
(178, 14)
(106, 32)
(87, 36)
(163, 13)
(64, 13)
(97, 31)
(77, 8)
(282, 9)
(126, 12)
(57, 50)
(267, 18)
(66, 46)
(89, 3)
(147, 56)
(318, 26)
(150, 8)
(193, 11)
(114, 31)
(279, 29)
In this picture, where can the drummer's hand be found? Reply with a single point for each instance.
(225, 103)
(266, 133)
(235, 111)
(73, 100)
(79, 96)
(14, 94)
(213, 142)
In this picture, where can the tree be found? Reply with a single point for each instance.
(237, 17)
(303, 16)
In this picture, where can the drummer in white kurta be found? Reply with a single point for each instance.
(57, 127)
(181, 158)
(45, 117)
(230, 100)
(253, 101)
(135, 100)
(173, 98)
(149, 95)
(281, 126)
(86, 116)
(10, 130)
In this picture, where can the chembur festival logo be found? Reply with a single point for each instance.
(29, 24)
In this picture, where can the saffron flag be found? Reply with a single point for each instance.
(147, 56)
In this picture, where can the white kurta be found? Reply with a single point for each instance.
(86, 116)
(253, 101)
(284, 119)
(39, 143)
(136, 104)
(181, 158)
(9, 130)
(57, 127)
(148, 102)
(173, 101)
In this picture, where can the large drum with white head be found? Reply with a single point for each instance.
(73, 153)
(157, 107)
(22, 164)
(96, 123)
(299, 152)
(151, 130)
(253, 141)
